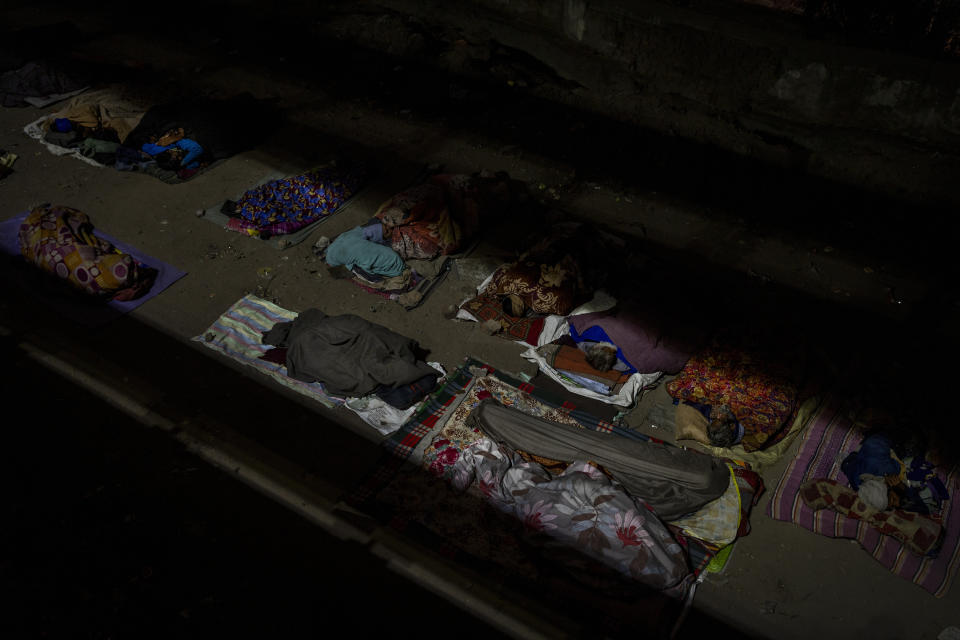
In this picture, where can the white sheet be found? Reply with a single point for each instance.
(380, 415)
(35, 130)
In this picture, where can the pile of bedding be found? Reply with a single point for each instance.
(174, 141)
(91, 126)
(892, 493)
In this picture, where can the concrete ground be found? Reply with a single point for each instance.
(782, 581)
(117, 531)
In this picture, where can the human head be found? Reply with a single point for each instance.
(722, 430)
(601, 356)
(169, 160)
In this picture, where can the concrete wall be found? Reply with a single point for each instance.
(745, 79)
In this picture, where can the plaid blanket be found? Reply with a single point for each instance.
(829, 439)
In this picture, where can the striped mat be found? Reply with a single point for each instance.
(237, 334)
(827, 441)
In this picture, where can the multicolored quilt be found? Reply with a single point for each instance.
(829, 438)
(759, 390)
(286, 205)
(61, 241)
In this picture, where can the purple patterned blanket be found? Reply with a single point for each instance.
(827, 441)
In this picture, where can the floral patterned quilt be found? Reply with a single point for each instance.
(568, 510)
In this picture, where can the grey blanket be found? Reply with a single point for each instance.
(349, 355)
(673, 481)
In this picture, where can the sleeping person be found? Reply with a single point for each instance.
(184, 153)
(363, 251)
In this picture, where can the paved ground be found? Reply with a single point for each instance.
(811, 282)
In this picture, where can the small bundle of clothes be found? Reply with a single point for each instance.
(883, 480)
(900, 497)
(351, 357)
(287, 205)
(61, 241)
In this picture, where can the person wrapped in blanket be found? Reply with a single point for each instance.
(365, 253)
(173, 151)
(184, 135)
(748, 391)
(438, 216)
(351, 357)
(558, 273)
(289, 204)
(603, 348)
(61, 241)
(372, 264)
